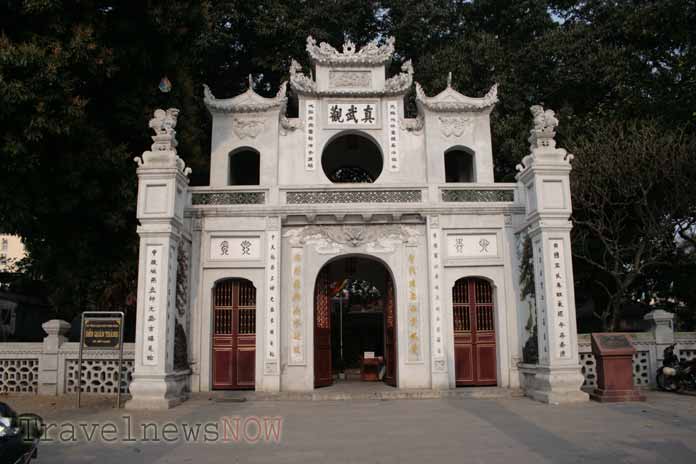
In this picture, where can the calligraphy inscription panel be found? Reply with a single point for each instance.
(234, 248)
(472, 245)
(363, 114)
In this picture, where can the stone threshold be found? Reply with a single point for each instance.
(390, 394)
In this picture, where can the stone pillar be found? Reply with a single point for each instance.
(544, 173)
(162, 195)
(662, 328)
(438, 370)
(56, 331)
(271, 360)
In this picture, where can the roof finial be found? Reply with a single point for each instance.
(449, 79)
(251, 82)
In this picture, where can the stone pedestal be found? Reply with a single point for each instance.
(614, 358)
(159, 391)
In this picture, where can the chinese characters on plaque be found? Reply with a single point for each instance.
(310, 135)
(352, 114)
(393, 117)
(224, 248)
(560, 300)
(538, 266)
(152, 301)
(296, 321)
(413, 315)
(472, 245)
(438, 352)
(272, 304)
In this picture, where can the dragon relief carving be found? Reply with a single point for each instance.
(299, 81)
(372, 53)
(333, 239)
(401, 82)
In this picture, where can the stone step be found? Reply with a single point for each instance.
(379, 394)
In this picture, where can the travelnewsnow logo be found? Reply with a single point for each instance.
(229, 429)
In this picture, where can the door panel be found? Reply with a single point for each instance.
(322, 332)
(390, 336)
(474, 333)
(234, 335)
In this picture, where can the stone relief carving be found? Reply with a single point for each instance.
(354, 196)
(350, 79)
(372, 53)
(248, 102)
(454, 125)
(542, 138)
(228, 198)
(182, 274)
(450, 100)
(401, 82)
(333, 239)
(300, 82)
(544, 120)
(412, 124)
(163, 150)
(247, 127)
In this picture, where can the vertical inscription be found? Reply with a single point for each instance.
(393, 122)
(560, 300)
(310, 135)
(435, 301)
(296, 313)
(272, 303)
(540, 299)
(152, 302)
(413, 313)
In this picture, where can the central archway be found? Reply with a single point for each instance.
(354, 322)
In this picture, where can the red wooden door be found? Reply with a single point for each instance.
(390, 336)
(474, 333)
(322, 332)
(234, 335)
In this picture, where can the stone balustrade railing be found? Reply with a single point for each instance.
(371, 194)
(50, 368)
(647, 358)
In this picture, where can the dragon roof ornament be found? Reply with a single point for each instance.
(370, 54)
(449, 100)
(247, 102)
(395, 85)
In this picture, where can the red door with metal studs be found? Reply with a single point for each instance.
(234, 335)
(474, 332)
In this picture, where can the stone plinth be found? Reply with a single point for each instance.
(614, 357)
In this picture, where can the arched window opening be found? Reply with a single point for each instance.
(352, 158)
(244, 167)
(459, 166)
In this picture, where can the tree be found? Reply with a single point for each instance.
(633, 185)
(77, 85)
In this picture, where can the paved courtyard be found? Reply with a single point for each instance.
(400, 431)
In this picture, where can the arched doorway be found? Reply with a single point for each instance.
(474, 332)
(234, 334)
(354, 322)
